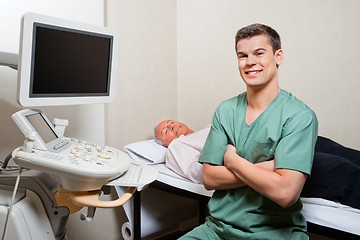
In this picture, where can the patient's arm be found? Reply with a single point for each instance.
(220, 177)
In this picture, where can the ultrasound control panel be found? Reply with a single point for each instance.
(77, 164)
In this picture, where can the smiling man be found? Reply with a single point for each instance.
(254, 199)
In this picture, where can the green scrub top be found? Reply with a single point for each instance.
(286, 131)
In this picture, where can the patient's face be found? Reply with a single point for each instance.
(168, 130)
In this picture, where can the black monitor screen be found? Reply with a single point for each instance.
(67, 62)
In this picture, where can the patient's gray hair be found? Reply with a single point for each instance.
(156, 139)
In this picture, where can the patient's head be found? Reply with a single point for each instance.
(168, 130)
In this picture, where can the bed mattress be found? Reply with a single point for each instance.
(331, 214)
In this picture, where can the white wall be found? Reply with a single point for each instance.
(147, 86)
(320, 42)
(179, 62)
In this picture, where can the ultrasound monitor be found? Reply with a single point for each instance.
(62, 62)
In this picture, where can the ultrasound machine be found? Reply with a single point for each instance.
(61, 62)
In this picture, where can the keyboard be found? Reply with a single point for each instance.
(138, 176)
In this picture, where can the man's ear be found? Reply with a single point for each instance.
(279, 55)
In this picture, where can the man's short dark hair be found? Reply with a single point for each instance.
(259, 29)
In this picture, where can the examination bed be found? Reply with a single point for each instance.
(324, 217)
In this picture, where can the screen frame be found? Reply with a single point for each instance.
(26, 57)
(42, 126)
(26, 127)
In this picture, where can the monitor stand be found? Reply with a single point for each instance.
(9, 59)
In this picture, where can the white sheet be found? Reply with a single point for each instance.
(172, 179)
(331, 214)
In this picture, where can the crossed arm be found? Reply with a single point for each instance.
(283, 186)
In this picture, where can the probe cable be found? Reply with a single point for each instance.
(7, 159)
(11, 203)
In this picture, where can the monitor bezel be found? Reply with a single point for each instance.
(22, 121)
(26, 56)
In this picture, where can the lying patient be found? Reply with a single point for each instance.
(184, 148)
(335, 174)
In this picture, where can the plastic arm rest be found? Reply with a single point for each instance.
(91, 198)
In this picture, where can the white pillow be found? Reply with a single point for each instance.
(147, 150)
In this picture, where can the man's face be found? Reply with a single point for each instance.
(257, 61)
(168, 130)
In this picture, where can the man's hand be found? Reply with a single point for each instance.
(230, 158)
(230, 152)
